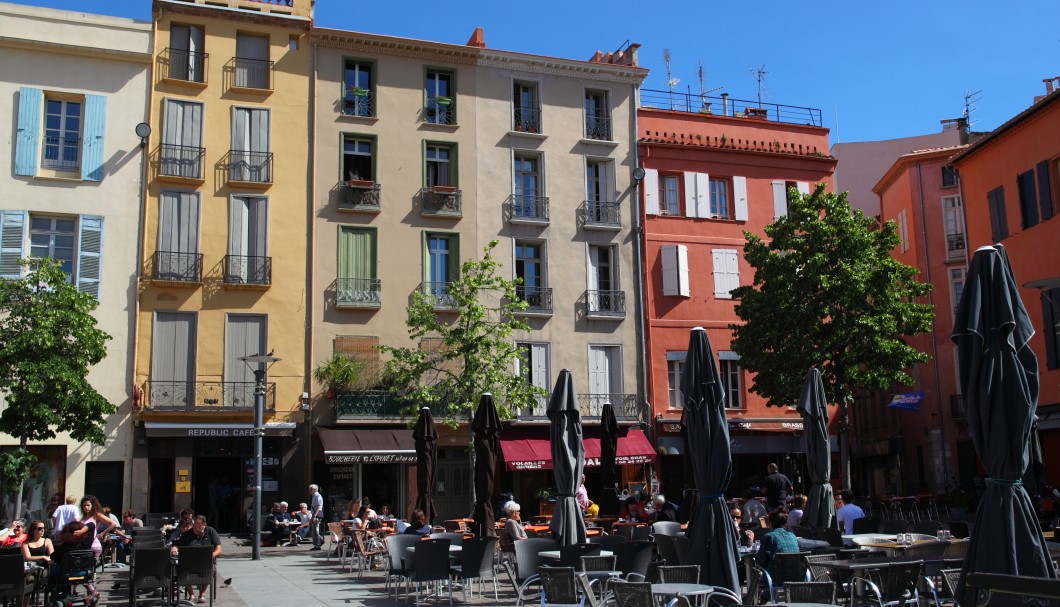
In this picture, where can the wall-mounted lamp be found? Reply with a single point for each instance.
(143, 131)
(638, 174)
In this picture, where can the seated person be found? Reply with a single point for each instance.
(664, 510)
(634, 511)
(368, 506)
(17, 535)
(352, 510)
(385, 513)
(418, 523)
(753, 510)
(795, 514)
(777, 541)
(847, 511)
(284, 514)
(305, 518)
(747, 537)
(183, 525)
(514, 525)
(271, 529)
(199, 535)
(74, 536)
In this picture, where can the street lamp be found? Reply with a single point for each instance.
(259, 364)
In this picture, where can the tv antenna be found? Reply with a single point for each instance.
(760, 77)
(970, 99)
(703, 91)
(671, 82)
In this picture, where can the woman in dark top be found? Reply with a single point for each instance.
(418, 523)
(38, 548)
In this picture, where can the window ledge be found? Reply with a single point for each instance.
(249, 90)
(604, 142)
(178, 179)
(441, 127)
(255, 185)
(247, 286)
(535, 313)
(527, 134)
(58, 176)
(193, 84)
(527, 221)
(360, 305)
(358, 119)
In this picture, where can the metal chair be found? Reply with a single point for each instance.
(635, 594)
(153, 570)
(364, 555)
(810, 592)
(722, 597)
(680, 574)
(13, 578)
(430, 563)
(455, 539)
(559, 588)
(570, 556)
(893, 526)
(606, 542)
(757, 582)
(633, 558)
(927, 527)
(641, 533)
(527, 560)
(195, 567)
(667, 549)
(476, 563)
(670, 528)
(867, 524)
(337, 541)
(900, 586)
(833, 536)
(397, 557)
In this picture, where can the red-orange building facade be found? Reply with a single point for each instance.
(1010, 183)
(708, 178)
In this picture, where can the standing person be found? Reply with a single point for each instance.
(847, 511)
(91, 512)
(67, 513)
(199, 535)
(775, 486)
(582, 496)
(777, 541)
(316, 506)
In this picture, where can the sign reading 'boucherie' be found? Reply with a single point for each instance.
(370, 458)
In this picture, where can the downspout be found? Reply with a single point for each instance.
(934, 341)
(638, 270)
(310, 240)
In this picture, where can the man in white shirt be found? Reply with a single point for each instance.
(847, 512)
(67, 513)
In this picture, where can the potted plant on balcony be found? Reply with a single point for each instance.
(338, 373)
(444, 189)
(443, 100)
(357, 91)
(355, 181)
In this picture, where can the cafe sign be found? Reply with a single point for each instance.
(370, 458)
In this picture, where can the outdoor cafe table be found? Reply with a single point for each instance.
(554, 554)
(674, 589)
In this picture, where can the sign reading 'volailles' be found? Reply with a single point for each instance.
(370, 458)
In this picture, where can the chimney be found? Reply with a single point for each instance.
(478, 39)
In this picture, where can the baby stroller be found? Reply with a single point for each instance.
(76, 567)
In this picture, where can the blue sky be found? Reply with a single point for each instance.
(876, 70)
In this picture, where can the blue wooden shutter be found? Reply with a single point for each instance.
(90, 255)
(27, 140)
(1045, 192)
(92, 143)
(12, 229)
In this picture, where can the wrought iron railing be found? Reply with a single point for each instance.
(955, 241)
(957, 406)
(274, 2)
(443, 112)
(360, 104)
(179, 64)
(726, 106)
(61, 153)
(606, 303)
(442, 202)
(177, 267)
(528, 208)
(538, 299)
(526, 120)
(251, 73)
(181, 161)
(599, 214)
(247, 270)
(358, 292)
(376, 404)
(251, 167)
(627, 407)
(438, 293)
(206, 396)
(598, 127)
(359, 197)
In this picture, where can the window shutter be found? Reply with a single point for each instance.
(1049, 320)
(803, 187)
(650, 185)
(454, 257)
(703, 195)
(12, 229)
(691, 197)
(90, 255)
(726, 272)
(739, 192)
(668, 253)
(780, 200)
(92, 148)
(27, 143)
(1045, 192)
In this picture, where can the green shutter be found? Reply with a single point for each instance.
(90, 255)
(454, 257)
(12, 237)
(27, 141)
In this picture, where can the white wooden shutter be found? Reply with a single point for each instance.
(726, 272)
(12, 241)
(675, 269)
(539, 366)
(90, 255)
(703, 195)
(780, 199)
(650, 185)
(803, 187)
(739, 190)
(691, 200)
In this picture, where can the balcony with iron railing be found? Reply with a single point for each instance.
(249, 75)
(957, 407)
(443, 201)
(358, 292)
(177, 268)
(725, 106)
(359, 103)
(526, 120)
(243, 270)
(249, 168)
(181, 162)
(538, 300)
(607, 305)
(61, 153)
(627, 407)
(527, 209)
(217, 397)
(601, 215)
(438, 294)
(440, 110)
(359, 197)
(598, 128)
(353, 405)
(183, 66)
(955, 245)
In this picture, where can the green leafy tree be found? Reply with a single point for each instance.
(48, 341)
(828, 294)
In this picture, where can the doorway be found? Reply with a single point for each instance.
(161, 484)
(105, 480)
(381, 483)
(216, 491)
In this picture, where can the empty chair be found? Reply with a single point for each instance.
(664, 545)
(927, 527)
(956, 549)
(476, 563)
(153, 571)
(810, 592)
(430, 563)
(558, 587)
(832, 536)
(527, 559)
(606, 542)
(681, 545)
(623, 531)
(680, 574)
(759, 583)
(868, 524)
(653, 571)
(788, 567)
(455, 539)
(803, 531)
(633, 558)
(399, 565)
(13, 578)
(640, 532)
(666, 528)
(337, 541)
(570, 556)
(722, 597)
(635, 594)
(900, 583)
(195, 568)
(893, 526)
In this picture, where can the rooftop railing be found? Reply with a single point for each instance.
(727, 106)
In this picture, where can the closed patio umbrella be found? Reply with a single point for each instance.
(691, 495)
(608, 454)
(999, 380)
(712, 537)
(426, 436)
(568, 460)
(813, 405)
(486, 425)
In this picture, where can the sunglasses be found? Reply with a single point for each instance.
(37, 529)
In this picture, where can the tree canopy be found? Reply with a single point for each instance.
(828, 294)
(466, 348)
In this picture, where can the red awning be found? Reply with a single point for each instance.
(529, 449)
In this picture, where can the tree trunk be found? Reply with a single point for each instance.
(21, 485)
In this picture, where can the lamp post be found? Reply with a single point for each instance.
(259, 364)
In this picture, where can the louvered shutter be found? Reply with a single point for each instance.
(90, 255)
(803, 187)
(651, 191)
(1045, 192)
(92, 148)
(780, 199)
(703, 195)
(12, 239)
(675, 269)
(739, 190)
(27, 141)
(691, 198)
(726, 272)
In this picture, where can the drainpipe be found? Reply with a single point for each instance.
(934, 342)
(310, 278)
(638, 270)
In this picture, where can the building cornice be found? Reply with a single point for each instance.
(1011, 125)
(86, 52)
(209, 11)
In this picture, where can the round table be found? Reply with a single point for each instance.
(674, 589)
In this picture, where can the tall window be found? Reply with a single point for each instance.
(527, 178)
(187, 61)
(357, 158)
(441, 265)
(441, 103)
(62, 134)
(995, 201)
(251, 158)
(675, 371)
(949, 177)
(439, 166)
(252, 62)
(597, 116)
(248, 228)
(357, 83)
(956, 287)
(526, 110)
(601, 268)
(530, 267)
(533, 368)
(54, 237)
(356, 284)
(953, 222)
(732, 380)
(720, 205)
(181, 150)
(669, 195)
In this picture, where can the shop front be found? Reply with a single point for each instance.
(372, 461)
